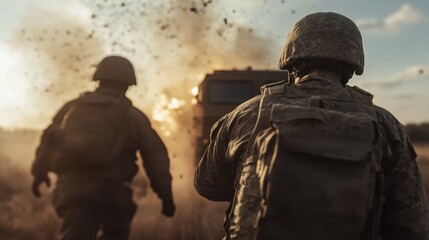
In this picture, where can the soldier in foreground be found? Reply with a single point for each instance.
(313, 158)
(91, 145)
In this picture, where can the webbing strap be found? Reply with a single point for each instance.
(261, 122)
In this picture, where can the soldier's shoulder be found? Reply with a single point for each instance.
(274, 88)
(385, 117)
(392, 128)
(362, 91)
(136, 111)
(70, 103)
(242, 113)
(138, 114)
(250, 105)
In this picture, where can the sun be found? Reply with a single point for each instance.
(13, 90)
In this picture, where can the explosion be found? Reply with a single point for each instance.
(166, 112)
(172, 45)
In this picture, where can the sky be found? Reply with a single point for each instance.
(50, 47)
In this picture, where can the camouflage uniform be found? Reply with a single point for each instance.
(405, 213)
(89, 198)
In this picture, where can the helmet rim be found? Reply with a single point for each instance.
(324, 35)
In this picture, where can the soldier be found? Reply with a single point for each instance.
(91, 145)
(314, 158)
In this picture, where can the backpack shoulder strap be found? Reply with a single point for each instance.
(263, 116)
(275, 88)
(364, 98)
(272, 89)
(261, 122)
(363, 92)
(373, 225)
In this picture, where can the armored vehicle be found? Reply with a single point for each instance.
(222, 91)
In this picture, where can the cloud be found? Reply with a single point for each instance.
(408, 74)
(405, 15)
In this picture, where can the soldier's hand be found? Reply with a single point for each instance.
(168, 208)
(37, 181)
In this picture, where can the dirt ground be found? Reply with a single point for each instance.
(24, 217)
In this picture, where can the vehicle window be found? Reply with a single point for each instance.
(228, 92)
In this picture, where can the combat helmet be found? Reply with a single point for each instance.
(115, 68)
(326, 36)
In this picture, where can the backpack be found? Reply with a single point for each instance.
(312, 169)
(91, 132)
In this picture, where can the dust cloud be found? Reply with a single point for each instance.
(57, 58)
(172, 45)
(22, 216)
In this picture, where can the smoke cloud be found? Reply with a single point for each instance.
(22, 216)
(172, 45)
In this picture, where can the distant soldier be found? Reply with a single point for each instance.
(91, 145)
(313, 158)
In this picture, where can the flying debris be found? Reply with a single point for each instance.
(165, 26)
(90, 35)
(206, 3)
(194, 9)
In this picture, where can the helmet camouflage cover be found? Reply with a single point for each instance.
(115, 68)
(324, 35)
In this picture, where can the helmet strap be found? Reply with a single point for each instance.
(298, 71)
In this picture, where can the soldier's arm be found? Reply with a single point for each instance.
(41, 165)
(215, 174)
(154, 154)
(405, 214)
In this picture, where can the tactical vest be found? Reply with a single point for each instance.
(312, 169)
(91, 133)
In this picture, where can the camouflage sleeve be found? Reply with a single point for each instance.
(215, 174)
(405, 213)
(214, 177)
(154, 154)
(41, 165)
